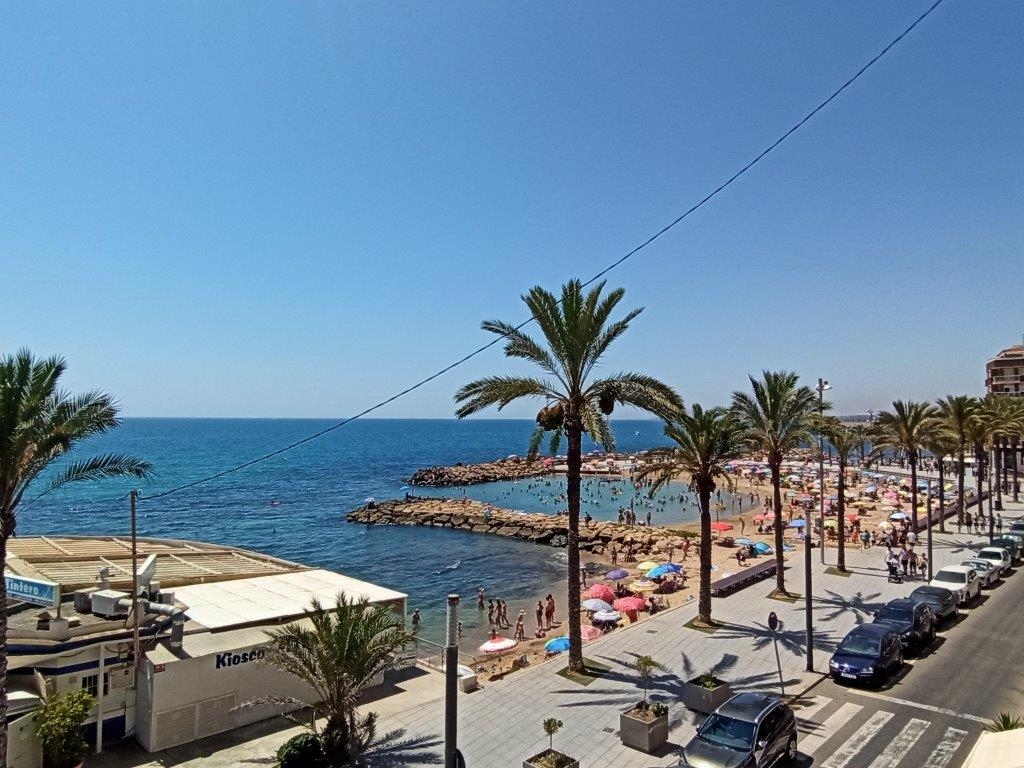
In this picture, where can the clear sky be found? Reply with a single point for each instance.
(295, 209)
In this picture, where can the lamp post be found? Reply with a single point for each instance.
(822, 386)
(808, 604)
(451, 685)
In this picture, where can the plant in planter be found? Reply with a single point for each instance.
(550, 757)
(59, 728)
(708, 691)
(644, 726)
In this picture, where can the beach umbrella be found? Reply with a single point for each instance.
(643, 586)
(662, 570)
(898, 516)
(885, 525)
(369, 500)
(590, 633)
(404, 488)
(745, 542)
(831, 523)
(618, 573)
(600, 592)
(557, 645)
(607, 616)
(630, 604)
(498, 645)
(798, 523)
(593, 604)
(762, 518)
(853, 518)
(763, 548)
(872, 489)
(646, 565)
(721, 527)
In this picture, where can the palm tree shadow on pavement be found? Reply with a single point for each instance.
(791, 640)
(394, 749)
(862, 606)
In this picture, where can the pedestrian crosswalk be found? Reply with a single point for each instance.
(849, 734)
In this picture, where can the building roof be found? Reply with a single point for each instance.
(74, 562)
(1014, 352)
(268, 599)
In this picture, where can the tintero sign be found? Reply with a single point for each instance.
(34, 591)
(234, 658)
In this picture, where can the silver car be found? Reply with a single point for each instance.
(752, 730)
(988, 574)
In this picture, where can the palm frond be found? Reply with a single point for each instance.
(499, 391)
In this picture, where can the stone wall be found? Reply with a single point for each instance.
(470, 474)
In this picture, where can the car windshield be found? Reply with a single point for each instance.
(895, 614)
(728, 732)
(952, 577)
(980, 565)
(990, 554)
(857, 645)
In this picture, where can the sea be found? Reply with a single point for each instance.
(293, 505)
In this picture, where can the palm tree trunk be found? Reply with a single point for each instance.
(704, 593)
(912, 458)
(3, 647)
(841, 523)
(780, 576)
(574, 460)
(942, 502)
(961, 473)
(1016, 476)
(997, 454)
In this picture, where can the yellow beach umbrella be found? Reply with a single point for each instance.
(646, 565)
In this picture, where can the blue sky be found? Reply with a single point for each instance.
(249, 209)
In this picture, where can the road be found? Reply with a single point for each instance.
(931, 714)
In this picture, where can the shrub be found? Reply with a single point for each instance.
(59, 728)
(301, 751)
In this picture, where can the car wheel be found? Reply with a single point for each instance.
(790, 757)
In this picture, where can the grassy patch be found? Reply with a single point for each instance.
(833, 571)
(792, 597)
(692, 624)
(594, 670)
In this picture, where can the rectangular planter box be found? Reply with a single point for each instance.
(570, 764)
(646, 735)
(705, 700)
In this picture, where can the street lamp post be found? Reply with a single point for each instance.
(822, 386)
(808, 605)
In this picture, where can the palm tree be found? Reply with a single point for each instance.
(40, 423)
(847, 442)
(941, 442)
(979, 432)
(956, 412)
(905, 428)
(1003, 416)
(861, 437)
(337, 653)
(777, 418)
(577, 333)
(705, 441)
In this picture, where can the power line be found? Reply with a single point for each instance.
(479, 350)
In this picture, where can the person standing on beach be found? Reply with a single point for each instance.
(480, 599)
(503, 619)
(490, 612)
(615, 555)
(540, 615)
(583, 577)
(549, 612)
(520, 626)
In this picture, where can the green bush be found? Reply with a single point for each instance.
(301, 751)
(59, 728)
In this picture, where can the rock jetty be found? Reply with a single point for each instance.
(550, 530)
(470, 474)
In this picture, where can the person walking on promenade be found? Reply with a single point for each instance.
(490, 612)
(549, 612)
(480, 599)
(912, 560)
(999, 523)
(969, 521)
(904, 559)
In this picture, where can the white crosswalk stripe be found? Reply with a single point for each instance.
(901, 744)
(808, 710)
(853, 745)
(943, 753)
(818, 734)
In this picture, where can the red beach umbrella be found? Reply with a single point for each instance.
(629, 604)
(721, 527)
(600, 592)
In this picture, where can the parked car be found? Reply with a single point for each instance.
(988, 573)
(1011, 542)
(997, 556)
(1017, 527)
(868, 654)
(941, 600)
(958, 579)
(753, 730)
(913, 622)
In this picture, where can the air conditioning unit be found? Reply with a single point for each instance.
(83, 600)
(119, 678)
(104, 602)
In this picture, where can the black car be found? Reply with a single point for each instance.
(1011, 544)
(867, 654)
(751, 730)
(941, 600)
(914, 622)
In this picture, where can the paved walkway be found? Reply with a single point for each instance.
(500, 725)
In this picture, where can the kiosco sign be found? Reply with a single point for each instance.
(234, 658)
(35, 591)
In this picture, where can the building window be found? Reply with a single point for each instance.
(90, 684)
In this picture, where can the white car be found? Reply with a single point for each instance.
(959, 579)
(997, 556)
(988, 572)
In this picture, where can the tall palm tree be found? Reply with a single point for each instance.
(956, 412)
(337, 653)
(861, 438)
(940, 442)
(846, 441)
(777, 416)
(979, 433)
(905, 428)
(705, 441)
(1004, 419)
(39, 424)
(577, 332)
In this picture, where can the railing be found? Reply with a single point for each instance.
(432, 655)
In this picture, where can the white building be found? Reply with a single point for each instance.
(190, 685)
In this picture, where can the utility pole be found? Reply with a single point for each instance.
(136, 651)
(451, 686)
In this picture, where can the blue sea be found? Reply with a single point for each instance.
(293, 506)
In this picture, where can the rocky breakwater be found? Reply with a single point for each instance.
(470, 474)
(550, 530)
